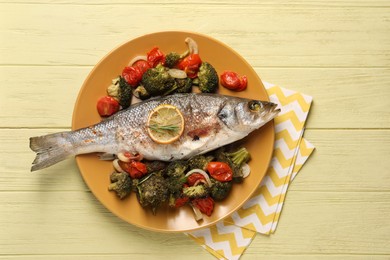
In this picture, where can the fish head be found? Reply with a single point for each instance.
(245, 115)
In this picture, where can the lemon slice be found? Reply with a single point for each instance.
(165, 124)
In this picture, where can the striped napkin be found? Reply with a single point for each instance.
(229, 238)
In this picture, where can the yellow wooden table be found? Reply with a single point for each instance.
(336, 51)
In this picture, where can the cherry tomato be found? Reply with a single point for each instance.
(179, 202)
(136, 169)
(205, 205)
(143, 65)
(132, 75)
(190, 65)
(155, 56)
(193, 178)
(107, 106)
(231, 80)
(220, 171)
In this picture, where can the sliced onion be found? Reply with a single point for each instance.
(200, 181)
(192, 45)
(246, 170)
(197, 213)
(137, 58)
(122, 157)
(117, 167)
(178, 74)
(205, 175)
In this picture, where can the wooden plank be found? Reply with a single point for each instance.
(330, 223)
(74, 223)
(194, 256)
(113, 256)
(298, 36)
(278, 3)
(46, 99)
(355, 160)
(343, 98)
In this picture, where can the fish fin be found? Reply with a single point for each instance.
(50, 149)
(107, 156)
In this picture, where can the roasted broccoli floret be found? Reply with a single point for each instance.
(220, 190)
(121, 90)
(208, 78)
(235, 159)
(183, 85)
(176, 169)
(155, 166)
(157, 81)
(175, 184)
(200, 161)
(152, 191)
(198, 191)
(239, 156)
(141, 93)
(172, 58)
(120, 183)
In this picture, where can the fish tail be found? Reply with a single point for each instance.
(50, 149)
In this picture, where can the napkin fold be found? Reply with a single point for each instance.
(228, 239)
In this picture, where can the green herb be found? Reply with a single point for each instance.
(164, 128)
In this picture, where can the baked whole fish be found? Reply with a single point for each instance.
(210, 121)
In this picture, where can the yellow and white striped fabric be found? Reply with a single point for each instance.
(228, 239)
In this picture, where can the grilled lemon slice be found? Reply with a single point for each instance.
(165, 124)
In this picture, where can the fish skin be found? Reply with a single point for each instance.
(211, 121)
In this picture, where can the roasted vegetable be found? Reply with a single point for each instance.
(239, 156)
(235, 159)
(152, 191)
(183, 85)
(120, 183)
(120, 90)
(173, 58)
(200, 161)
(176, 168)
(155, 166)
(157, 81)
(175, 184)
(141, 93)
(220, 190)
(198, 191)
(208, 78)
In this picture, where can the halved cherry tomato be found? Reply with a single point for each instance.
(244, 83)
(155, 56)
(190, 65)
(143, 65)
(195, 177)
(205, 205)
(107, 106)
(181, 201)
(132, 75)
(220, 171)
(231, 80)
(136, 169)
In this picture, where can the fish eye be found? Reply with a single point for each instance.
(254, 105)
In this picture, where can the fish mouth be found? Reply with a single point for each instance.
(272, 108)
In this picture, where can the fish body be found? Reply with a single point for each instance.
(210, 121)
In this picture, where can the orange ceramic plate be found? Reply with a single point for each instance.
(96, 173)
